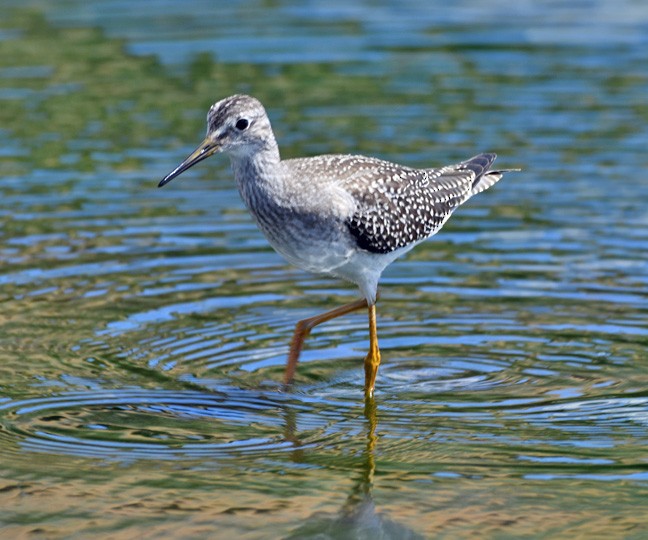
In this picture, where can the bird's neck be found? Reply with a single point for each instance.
(258, 176)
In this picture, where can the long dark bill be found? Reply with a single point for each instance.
(206, 149)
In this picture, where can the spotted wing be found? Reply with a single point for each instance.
(398, 206)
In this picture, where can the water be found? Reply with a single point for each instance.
(143, 332)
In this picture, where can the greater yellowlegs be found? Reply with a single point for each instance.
(342, 215)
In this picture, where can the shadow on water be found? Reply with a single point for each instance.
(358, 518)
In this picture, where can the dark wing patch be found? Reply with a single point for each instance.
(398, 206)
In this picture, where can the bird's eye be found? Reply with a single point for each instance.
(242, 124)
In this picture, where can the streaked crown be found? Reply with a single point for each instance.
(239, 124)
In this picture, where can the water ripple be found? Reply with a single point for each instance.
(143, 424)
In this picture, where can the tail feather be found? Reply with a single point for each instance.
(484, 176)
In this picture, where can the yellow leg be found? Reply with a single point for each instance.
(303, 328)
(372, 360)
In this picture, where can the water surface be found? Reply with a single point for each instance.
(143, 332)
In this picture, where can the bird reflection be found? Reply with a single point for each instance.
(358, 518)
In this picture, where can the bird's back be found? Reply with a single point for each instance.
(393, 205)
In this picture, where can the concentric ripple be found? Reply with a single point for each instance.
(142, 424)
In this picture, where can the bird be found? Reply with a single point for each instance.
(342, 215)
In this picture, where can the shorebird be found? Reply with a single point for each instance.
(348, 216)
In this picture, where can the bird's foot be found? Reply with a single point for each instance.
(371, 363)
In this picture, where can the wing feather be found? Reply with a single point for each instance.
(398, 206)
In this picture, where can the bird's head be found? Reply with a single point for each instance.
(237, 125)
